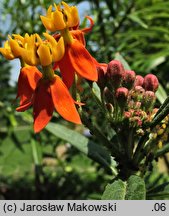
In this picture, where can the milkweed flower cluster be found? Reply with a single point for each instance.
(63, 49)
(130, 100)
(131, 95)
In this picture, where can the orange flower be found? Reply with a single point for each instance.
(45, 95)
(76, 58)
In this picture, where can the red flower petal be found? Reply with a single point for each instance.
(67, 71)
(55, 65)
(77, 59)
(43, 106)
(24, 107)
(63, 101)
(82, 61)
(88, 29)
(79, 35)
(27, 81)
(100, 65)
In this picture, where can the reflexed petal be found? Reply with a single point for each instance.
(24, 107)
(100, 65)
(80, 60)
(27, 81)
(63, 102)
(43, 106)
(88, 29)
(78, 35)
(67, 71)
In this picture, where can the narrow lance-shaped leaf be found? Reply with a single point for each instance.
(83, 144)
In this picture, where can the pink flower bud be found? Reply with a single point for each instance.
(101, 76)
(139, 81)
(115, 73)
(127, 114)
(110, 107)
(150, 83)
(121, 96)
(139, 89)
(137, 93)
(108, 95)
(129, 79)
(149, 100)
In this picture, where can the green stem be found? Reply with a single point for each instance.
(139, 153)
(74, 90)
(35, 152)
(162, 151)
(23, 64)
(38, 168)
(48, 72)
(97, 100)
(101, 137)
(130, 143)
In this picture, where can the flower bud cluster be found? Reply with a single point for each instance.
(132, 96)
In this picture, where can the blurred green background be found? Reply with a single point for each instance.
(44, 166)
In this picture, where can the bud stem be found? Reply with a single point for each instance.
(48, 72)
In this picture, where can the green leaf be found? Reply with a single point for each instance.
(15, 160)
(133, 189)
(122, 60)
(155, 62)
(161, 94)
(83, 144)
(136, 19)
(159, 192)
(115, 191)
(96, 90)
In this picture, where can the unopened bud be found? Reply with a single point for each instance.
(150, 83)
(121, 96)
(149, 100)
(108, 95)
(137, 93)
(101, 76)
(139, 81)
(129, 79)
(127, 114)
(110, 107)
(137, 105)
(115, 73)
